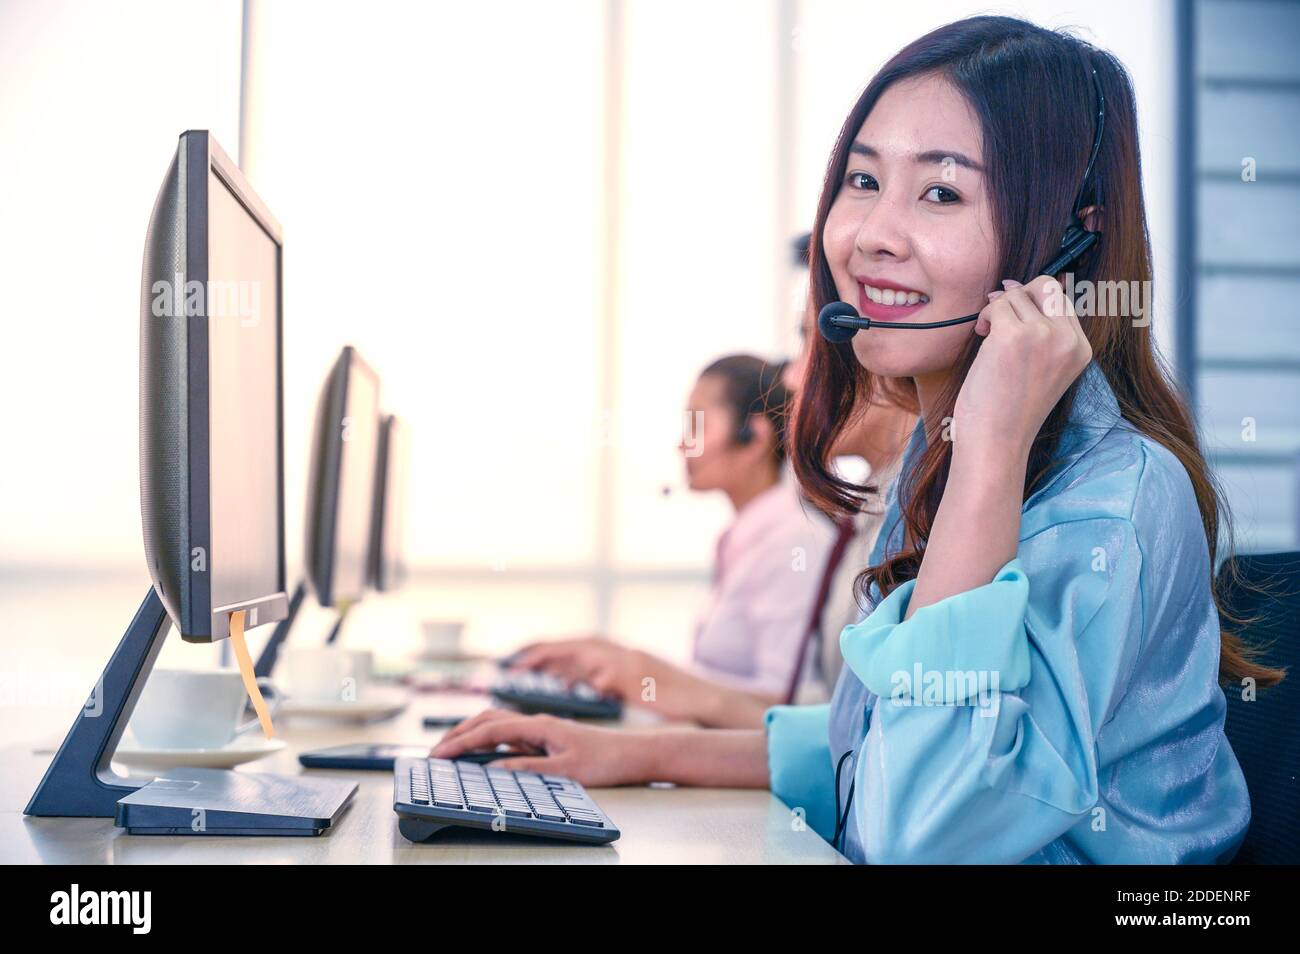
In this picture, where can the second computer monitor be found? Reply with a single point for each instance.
(387, 552)
(342, 484)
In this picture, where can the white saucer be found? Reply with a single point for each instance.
(247, 748)
(377, 702)
(451, 656)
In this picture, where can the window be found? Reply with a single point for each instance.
(1239, 352)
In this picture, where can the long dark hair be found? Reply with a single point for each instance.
(1033, 93)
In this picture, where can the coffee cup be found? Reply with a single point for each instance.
(441, 637)
(194, 708)
(316, 674)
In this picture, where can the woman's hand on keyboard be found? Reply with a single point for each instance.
(610, 669)
(642, 679)
(590, 755)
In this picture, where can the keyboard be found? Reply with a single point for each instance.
(537, 692)
(432, 794)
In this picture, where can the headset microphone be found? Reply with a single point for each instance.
(839, 321)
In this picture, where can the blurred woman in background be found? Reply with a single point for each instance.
(768, 566)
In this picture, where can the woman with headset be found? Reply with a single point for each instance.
(768, 563)
(1038, 678)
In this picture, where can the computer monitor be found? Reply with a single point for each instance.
(387, 539)
(341, 488)
(211, 447)
(211, 503)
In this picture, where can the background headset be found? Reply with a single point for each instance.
(839, 321)
(768, 379)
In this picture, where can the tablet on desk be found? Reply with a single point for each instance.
(379, 757)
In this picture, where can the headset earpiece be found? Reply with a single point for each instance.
(1077, 238)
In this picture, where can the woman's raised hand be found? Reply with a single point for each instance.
(1033, 350)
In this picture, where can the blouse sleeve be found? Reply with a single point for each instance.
(799, 763)
(982, 745)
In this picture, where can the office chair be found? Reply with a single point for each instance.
(1265, 733)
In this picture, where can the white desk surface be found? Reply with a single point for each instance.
(658, 824)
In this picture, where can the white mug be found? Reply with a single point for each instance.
(194, 708)
(441, 636)
(326, 673)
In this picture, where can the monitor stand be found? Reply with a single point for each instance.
(271, 651)
(333, 636)
(80, 782)
(270, 654)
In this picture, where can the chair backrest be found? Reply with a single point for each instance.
(1265, 732)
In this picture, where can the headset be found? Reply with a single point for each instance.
(839, 321)
(769, 377)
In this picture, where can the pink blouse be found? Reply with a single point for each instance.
(766, 574)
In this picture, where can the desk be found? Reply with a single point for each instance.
(659, 825)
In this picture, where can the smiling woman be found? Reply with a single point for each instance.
(1054, 468)
(939, 161)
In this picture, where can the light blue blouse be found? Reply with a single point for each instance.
(1066, 712)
